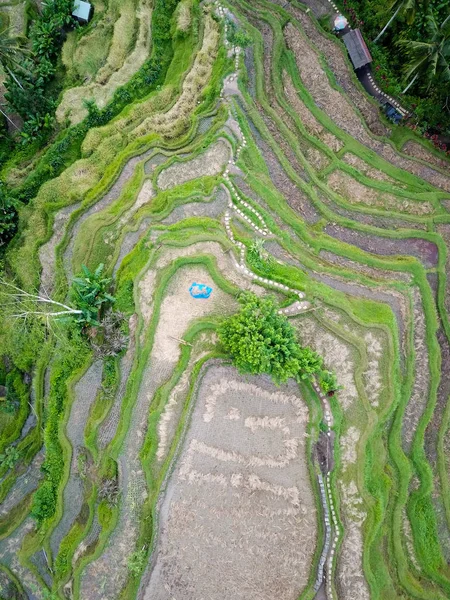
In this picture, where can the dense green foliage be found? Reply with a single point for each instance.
(8, 216)
(328, 382)
(67, 148)
(71, 356)
(260, 340)
(90, 295)
(9, 457)
(419, 32)
(236, 35)
(29, 93)
(137, 562)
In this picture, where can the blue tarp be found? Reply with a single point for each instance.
(200, 290)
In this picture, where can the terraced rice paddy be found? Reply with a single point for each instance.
(224, 485)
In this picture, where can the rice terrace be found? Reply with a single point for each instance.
(225, 296)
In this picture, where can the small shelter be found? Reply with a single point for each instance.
(82, 11)
(357, 49)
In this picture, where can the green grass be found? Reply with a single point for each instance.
(92, 160)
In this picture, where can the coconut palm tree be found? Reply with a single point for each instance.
(405, 7)
(12, 51)
(429, 61)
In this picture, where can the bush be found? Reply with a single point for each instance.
(259, 259)
(44, 502)
(328, 382)
(136, 562)
(9, 457)
(237, 36)
(8, 216)
(89, 294)
(260, 340)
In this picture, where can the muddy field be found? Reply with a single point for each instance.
(238, 518)
(425, 251)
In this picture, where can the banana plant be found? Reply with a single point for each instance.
(90, 295)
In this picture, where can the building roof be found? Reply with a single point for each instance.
(356, 46)
(81, 10)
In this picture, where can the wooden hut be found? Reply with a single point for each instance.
(357, 49)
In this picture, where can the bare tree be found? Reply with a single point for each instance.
(26, 304)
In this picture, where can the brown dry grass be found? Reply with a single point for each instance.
(418, 151)
(310, 122)
(357, 193)
(211, 162)
(337, 60)
(235, 521)
(122, 61)
(363, 167)
(340, 357)
(172, 122)
(419, 394)
(316, 81)
(184, 16)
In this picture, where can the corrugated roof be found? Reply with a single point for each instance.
(81, 10)
(356, 46)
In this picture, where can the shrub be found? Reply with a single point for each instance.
(259, 259)
(9, 457)
(136, 562)
(237, 36)
(109, 491)
(89, 294)
(328, 382)
(44, 502)
(260, 340)
(8, 216)
(111, 339)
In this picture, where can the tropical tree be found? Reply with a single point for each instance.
(88, 298)
(90, 295)
(402, 7)
(260, 340)
(12, 52)
(428, 62)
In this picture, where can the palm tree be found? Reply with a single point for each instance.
(406, 7)
(429, 61)
(12, 52)
(11, 55)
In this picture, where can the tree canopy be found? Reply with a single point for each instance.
(429, 60)
(260, 340)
